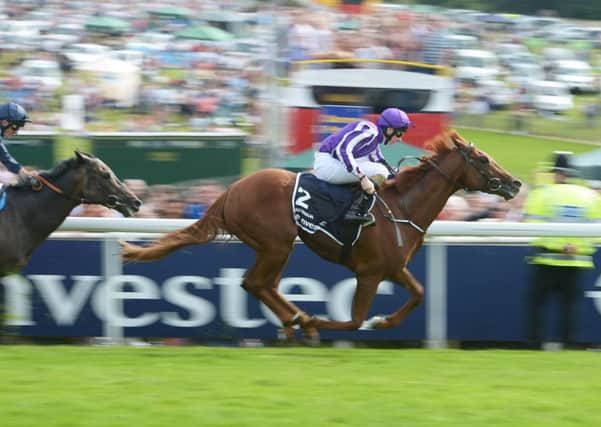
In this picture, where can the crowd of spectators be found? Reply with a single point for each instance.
(163, 201)
(379, 35)
(201, 84)
(183, 82)
(476, 206)
(193, 84)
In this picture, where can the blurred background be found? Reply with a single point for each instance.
(183, 98)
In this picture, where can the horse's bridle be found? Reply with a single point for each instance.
(492, 183)
(111, 203)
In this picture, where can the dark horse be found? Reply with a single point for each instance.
(257, 209)
(33, 212)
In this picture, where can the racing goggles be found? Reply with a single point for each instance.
(399, 131)
(16, 125)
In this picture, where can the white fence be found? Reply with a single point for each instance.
(438, 228)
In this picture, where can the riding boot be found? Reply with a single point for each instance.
(358, 212)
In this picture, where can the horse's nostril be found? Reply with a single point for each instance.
(517, 183)
(137, 203)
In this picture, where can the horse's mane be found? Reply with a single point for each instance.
(60, 169)
(438, 146)
(51, 174)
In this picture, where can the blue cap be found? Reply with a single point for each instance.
(14, 113)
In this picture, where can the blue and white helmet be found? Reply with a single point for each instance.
(14, 113)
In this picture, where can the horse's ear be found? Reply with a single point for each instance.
(80, 156)
(458, 141)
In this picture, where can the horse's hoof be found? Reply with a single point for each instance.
(286, 336)
(376, 322)
(300, 319)
(313, 341)
(311, 338)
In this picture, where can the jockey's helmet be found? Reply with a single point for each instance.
(395, 119)
(14, 113)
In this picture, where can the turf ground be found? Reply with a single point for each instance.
(204, 386)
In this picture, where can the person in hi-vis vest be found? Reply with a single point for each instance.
(558, 262)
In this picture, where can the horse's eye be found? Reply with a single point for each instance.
(105, 175)
(483, 160)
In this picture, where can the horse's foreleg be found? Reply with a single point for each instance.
(416, 296)
(364, 294)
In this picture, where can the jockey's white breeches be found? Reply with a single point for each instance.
(333, 171)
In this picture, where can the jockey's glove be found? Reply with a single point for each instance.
(28, 177)
(366, 184)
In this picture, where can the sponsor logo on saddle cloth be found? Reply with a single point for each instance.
(320, 206)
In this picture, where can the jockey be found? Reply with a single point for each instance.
(12, 118)
(353, 154)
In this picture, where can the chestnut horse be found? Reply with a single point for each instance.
(257, 209)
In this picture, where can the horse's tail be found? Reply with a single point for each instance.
(202, 231)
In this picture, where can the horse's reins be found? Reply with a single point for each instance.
(493, 184)
(387, 212)
(389, 215)
(112, 202)
(41, 181)
(44, 182)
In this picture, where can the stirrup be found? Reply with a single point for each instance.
(370, 219)
(351, 216)
(359, 210)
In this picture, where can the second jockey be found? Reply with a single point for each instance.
(12, 118)
(353, 154)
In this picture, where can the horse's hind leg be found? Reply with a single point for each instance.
(311, 335)
(286, 333)
(262, 280)
(416, 296)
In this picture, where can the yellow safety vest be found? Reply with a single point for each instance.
(567, 203)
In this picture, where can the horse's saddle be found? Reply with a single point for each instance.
(320, 206)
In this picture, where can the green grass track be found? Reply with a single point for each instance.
(206, 386)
